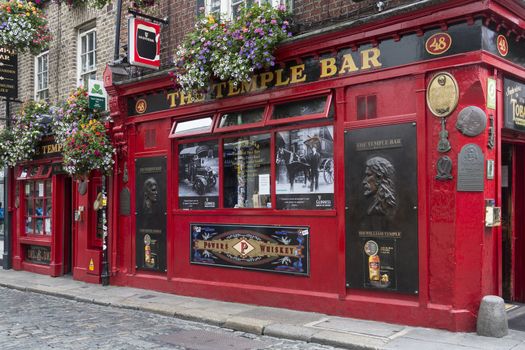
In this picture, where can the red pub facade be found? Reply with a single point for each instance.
(377, 172)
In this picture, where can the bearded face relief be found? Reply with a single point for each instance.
(378, 184)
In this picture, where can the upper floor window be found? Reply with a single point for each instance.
(42, 76)
(230, 9)
(87, 56)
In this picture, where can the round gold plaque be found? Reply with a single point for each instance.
(442, 94)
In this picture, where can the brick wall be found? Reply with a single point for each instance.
(64, 24)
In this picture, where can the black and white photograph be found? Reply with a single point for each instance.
(199, 175)
(305, 168)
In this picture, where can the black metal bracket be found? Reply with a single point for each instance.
(151, 18)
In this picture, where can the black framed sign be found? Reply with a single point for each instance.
(514, 106)
(8, 73)
(262, 248)
(150, 210)
(381, 197)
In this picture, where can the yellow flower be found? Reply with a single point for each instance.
(211, 19)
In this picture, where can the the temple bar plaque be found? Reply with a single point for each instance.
(471, 169)
(381, 197)
(262, 248)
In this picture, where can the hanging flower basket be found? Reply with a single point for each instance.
(81, 131)
(230, 51)
(87, 148)
(19, 143)
(23, 27)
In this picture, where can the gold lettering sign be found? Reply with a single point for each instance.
(442, 94)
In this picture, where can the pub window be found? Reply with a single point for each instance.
(191, 127)
(305, 168)
(38, 206)
(312, 108)
(199, 175)
(87, 56)
(246, 168)
(252, 117)
(366, 107)
(230, 9)
(42, 76)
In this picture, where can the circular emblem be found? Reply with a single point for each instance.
(471, 121)
(141, 106)
(371, 248)
(438, 43)
(503, 45)
(442, 94)
(147, 239)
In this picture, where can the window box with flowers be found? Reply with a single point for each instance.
(230, 50)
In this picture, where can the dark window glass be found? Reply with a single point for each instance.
(241, 118)
(246, 164)
(299, 108)
(361, 107)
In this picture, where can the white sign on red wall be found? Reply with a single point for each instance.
(144, 43)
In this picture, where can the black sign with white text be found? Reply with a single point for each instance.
(8, 73)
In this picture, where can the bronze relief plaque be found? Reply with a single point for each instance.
(381, 208)
(442, 94)
(472, 121)
(470, 169)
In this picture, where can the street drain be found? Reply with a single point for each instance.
(206, 340)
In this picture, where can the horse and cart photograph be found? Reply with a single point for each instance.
(305, 164)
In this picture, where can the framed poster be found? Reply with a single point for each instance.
(262, 248)
(381, 220)
(150, 213)
(305, 168)
(199, 175)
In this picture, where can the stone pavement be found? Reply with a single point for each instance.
(281, 323)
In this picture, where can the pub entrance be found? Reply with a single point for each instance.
(513, 221)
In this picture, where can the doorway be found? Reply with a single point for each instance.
(513, 221)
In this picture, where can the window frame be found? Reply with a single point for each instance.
(80, 74)
(226, 10)
(38, 73)
(45, 199)
(232, 128)
(213, 117)
(300, 118)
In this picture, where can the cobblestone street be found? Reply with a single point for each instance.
(35, 321)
